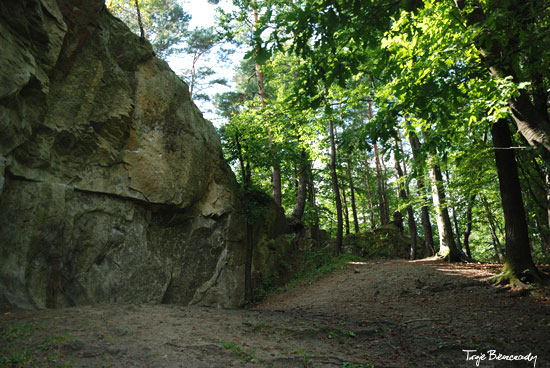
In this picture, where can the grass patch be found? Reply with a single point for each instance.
(356, 365)
(247, 355)
(25, 345)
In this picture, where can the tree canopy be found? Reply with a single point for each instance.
(388, 81)
(355, 114)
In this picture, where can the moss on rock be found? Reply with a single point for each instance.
(384, 242)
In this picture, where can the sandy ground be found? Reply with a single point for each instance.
(387, 313)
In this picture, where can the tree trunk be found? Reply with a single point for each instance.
(311, 185)
(335, 189)
(385, 188)
(447, 245)
(276, 179)
(425, 211)
(345, 210)
(244, 172)
(537, 187)
(300, 205)
(492, 229)
(245, 169)
(369, 193)
(519, 266)
(468, 230)
(352, 194)
(275, 168)
(140, 22)
(533, 125)
(455, 219)
(384, 216)
(545, 233)
(403, 195)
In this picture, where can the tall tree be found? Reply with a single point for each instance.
(519, 266)
(199, 43)
(352, 194)
(403, 196)
(162, 22)
(492, 228)
(301, 195)
(275, 168)
(345, 209)
(447, 245)
(425, 212)
(468, 229)
(509, 41)
(382, 201)
(335, 188)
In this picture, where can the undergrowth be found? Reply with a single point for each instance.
(316, 264)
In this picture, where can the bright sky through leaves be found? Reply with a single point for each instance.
(203, 15)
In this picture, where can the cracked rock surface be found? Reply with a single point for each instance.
(112, 185)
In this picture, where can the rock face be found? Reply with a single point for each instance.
(112, 185)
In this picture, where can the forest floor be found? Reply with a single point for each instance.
(382, 313)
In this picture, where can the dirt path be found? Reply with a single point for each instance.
(391, 313)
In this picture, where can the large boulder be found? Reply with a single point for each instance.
(112, 185)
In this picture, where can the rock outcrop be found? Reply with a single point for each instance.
(384, 242)
(112, 185)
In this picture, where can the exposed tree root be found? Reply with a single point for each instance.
(526, 278)
(449, 257)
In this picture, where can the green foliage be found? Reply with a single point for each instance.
(257, 204)
(357, 365)
(22, 346)
(316, 264)
(379, 71)
(164, 22)
(247, 355)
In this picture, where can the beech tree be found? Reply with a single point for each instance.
(448, 72)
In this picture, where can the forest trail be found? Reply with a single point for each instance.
(393, 313)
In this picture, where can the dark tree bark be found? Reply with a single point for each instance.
(538, 186)
(140, 22)
(335, 189)
(352, 194)
(545, 234)
(425, 211)
(276, 181)
(519, 266)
